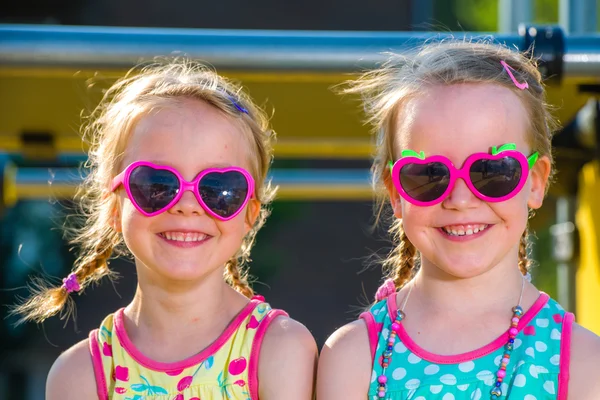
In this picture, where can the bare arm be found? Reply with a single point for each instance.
(584, 381)
(345, 364)
(72, 375)
(287, 363)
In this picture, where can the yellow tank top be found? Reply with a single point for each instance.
(227, 369)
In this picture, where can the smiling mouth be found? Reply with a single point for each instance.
(184, 236)
(464, 230)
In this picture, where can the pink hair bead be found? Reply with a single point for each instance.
(501, 373)
(515, 320)
(505, 360)
(513, 331)
(382, 379)
(396, 327)
(381, 394)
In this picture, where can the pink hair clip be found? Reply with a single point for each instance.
(507, 67)
(387, 288)
(70, 283)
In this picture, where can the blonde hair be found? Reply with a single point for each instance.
(108, 131)
(386, 90)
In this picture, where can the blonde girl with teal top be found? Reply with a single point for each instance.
(178, 179)
(463, 156)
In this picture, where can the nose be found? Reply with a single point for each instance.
(460, 197)
(187, 205)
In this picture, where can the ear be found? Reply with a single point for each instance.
(395, 199)
(539, 179)
(252, 213)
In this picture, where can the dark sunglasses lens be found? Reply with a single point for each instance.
(496, 178)
(224, 193)
(425, 182)
(153, 189)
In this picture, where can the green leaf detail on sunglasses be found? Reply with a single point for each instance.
(511, 146)
(412, 153)
(504, 147)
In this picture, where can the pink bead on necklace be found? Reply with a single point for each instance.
(496, 392)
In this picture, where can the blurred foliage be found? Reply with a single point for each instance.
(482, 15)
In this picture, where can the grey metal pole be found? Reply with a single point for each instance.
(563, 233)
(511, 13)
(578, 16)
(421, 15)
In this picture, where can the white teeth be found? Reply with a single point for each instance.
(184, 237)
(462, 232)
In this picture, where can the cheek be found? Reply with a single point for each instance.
(234, 227)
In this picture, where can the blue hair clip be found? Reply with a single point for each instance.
(236, 104)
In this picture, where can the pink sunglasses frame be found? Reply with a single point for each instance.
(123, 179)
(412, 157)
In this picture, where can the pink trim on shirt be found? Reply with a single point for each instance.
(101, 386)
(471, 355)
(372, 329)
(255, 352)
(565, 356)
(193, 360)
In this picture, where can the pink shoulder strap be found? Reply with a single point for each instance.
(101, 386)
(255, 352)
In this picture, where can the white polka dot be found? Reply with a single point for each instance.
(399, 373)
(542, 370)
(529, 397)
(487, 377)
(373, 376)
(541, 346)
(462, 388)
(432, 369)
(400, 348)
(448, 379)
(530, 352)
(555, 334)
(549, 387)
(517, 344)
(420, 398)
(476, 395)
(519, 380)
(559, 307)
(542, 322)
(555, 359)
(466, 366)
(504, 387)
(497, 360)
(412, 384)
(413, 359)
(533, 371)
(385, 332)
(448, 396)
(435, 389)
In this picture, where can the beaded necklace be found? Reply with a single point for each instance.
(496, 392)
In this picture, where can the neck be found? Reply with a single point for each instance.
(496, 291)
(166, 312)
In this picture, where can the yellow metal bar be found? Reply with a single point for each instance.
(284, 148)
(588, 273)
(258, 76)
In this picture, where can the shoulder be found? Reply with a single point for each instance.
(287, 361)
(72, 375)
(584, 368)
(345, 363)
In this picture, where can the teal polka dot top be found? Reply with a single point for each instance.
(538, 367)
